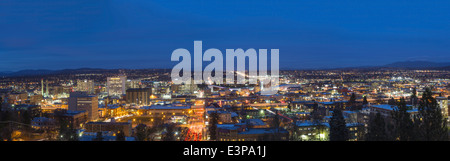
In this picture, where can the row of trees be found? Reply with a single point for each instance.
(428, 124)
(149, 133)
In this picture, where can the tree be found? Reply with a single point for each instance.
(99, 136)
(392, 101)
(276, 120)
(120, 136)
(49, 133)
(404, 127)
(6, 133)
(141, 132)
(214, 119)
(377, 129)
(294, 130)
(26, 117)
(6, 128)
(154, 129)
(169, 135)
(352, 101)
(379, 100)
(338, 128)
(414, 98)
(365, 100)
(276, 126)
(316, 118)
(1, 104)
(430, 124)
(67, 132)
(316, 114)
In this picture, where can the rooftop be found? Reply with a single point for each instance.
(227, 126)
(261, 131)
(73, 113)
(257, 122)
(162, 107)
(384, 106)
(109, 123)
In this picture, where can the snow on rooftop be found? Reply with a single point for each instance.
(257, 122)
(384, 106)
(261, 131)
(309, 123)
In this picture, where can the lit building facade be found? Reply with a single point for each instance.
(443, 104)
(81, 101)
(86, 86)
(139, 96)
(116, 86)
(114, 127)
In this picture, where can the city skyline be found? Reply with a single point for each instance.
(214, 79)
(142, 34)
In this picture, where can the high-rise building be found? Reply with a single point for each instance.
(190, 87)
(139, 96)
(116, 86)
(86, 86)
(135, 83)
(81, 101)
(443, 104)
(58, 90)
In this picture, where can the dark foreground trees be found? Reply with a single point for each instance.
(148, 133)
(377, 129)
(338, 129)
(429, 123)
(403, 122)
(169, 133)
(214, 119)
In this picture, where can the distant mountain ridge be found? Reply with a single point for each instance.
(413, 65)
(417, 64)
(26, 73)
(48, 72)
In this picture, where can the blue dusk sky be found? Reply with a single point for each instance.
(68, 34)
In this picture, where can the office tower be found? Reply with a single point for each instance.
(135, 83)
(57, 90)
(116, 86)
(189, 87)
(139, 96)
(81, 101)
(86, 86)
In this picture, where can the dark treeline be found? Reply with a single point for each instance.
(428, 124)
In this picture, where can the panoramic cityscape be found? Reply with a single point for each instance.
(143, 70)
(384, 104)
